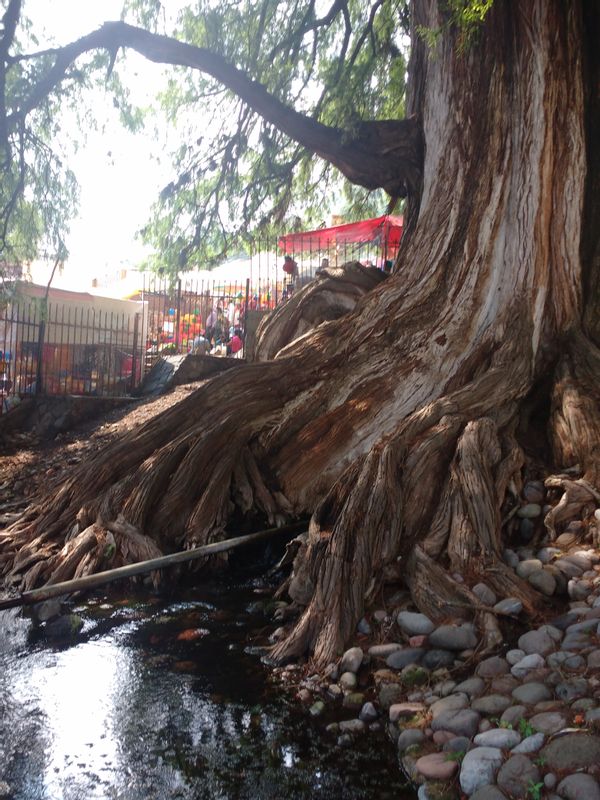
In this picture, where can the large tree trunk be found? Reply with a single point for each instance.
(395, 426)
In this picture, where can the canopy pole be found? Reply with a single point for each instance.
(139, 568)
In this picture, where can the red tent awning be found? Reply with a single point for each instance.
(381, 230)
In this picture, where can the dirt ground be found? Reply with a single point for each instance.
(29, 466)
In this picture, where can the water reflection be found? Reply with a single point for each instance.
(132, 712)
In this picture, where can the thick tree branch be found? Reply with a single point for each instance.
(377, 154)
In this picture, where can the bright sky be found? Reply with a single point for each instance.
(118, 172)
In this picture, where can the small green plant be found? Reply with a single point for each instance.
(525, 728)
(504, 723)
(540, 761)
(534, 790)
(455, 755)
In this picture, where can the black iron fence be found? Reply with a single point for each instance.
(67, 346)
(58, 348)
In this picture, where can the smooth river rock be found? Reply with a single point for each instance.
(413, 623)
(516, 776)
(454, 637)
(479, 767)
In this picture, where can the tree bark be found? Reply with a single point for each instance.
(396, 424)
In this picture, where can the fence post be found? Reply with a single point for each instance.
(246, 309)
(40, 352)
(178, 316)
(134, 359)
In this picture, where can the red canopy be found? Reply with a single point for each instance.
(386, 230)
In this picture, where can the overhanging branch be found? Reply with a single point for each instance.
(377, 154)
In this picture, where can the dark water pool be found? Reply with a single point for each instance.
(131, 711)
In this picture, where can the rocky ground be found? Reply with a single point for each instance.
(524, 723)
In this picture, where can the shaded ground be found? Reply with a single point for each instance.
(28, 465)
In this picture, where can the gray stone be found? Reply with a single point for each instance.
(503, 685)
(485, 594)
(488, 793)
(364, 627)
(514, 656)
(593, 659)
(584, 704)
(511, 607)
(503, 738)
(525, 568)
(402, 658)
(579, 589)
(458, 744)
(586, 625)
(572, 751)
(492, 667)
(526, 664)
(454, 637)
(531, 693)
(510, 558)
(513, 714)
(530, 511)
(568, 568)
(447, 687)
(580, 559)
(550, 780)
(577, 641)
(479, 767)
(351, 660)
(473, 687)
(567, 691)
(543, 581)
(531, 744)
(414, 624)
(408, 738)
(451, 703)
(516, 776)
(491, 704)
(348, 681)
(564, 659)
(384, 650)
(564, 620)
(579, 787)
(547, 554)
(548, 722)
(534, 492)
(434, 659)
(463, 722)
(368, 713)
(537, 642)
(592, 717)
(352, 726)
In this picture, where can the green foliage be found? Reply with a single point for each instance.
(238, 177)
(455, 755)
(534, 790)
(525, 728)
(464, 16)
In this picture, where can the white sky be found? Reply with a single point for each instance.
(118, 172)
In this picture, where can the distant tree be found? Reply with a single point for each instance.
(401, 427)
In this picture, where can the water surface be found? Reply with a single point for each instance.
(131, 711)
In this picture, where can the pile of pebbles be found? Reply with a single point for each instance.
(521, 724)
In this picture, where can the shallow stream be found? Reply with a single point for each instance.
(132, 709)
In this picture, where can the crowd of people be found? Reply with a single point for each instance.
(222, 335)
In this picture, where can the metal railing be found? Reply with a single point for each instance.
(56, 348)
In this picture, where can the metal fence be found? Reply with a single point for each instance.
(57, 348)
(63, 348)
